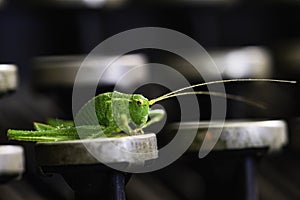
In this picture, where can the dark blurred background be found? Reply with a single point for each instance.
(264, 36)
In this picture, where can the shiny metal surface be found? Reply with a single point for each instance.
(239, 134)
(130, 149)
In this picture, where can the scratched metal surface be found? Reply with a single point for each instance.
(238, 134)
(131, 149)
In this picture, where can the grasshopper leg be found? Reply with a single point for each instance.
(125, 125)
(155, 116)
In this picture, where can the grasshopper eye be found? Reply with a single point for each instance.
(139, 102)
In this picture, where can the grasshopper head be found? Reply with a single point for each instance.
(139, 108)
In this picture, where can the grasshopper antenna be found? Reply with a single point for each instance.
(219, 94)
(229, 96)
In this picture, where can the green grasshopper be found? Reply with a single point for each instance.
(115, 112)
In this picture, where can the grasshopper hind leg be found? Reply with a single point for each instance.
(106, 132)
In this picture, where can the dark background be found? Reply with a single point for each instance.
(31, 28)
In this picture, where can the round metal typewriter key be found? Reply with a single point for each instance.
(8, 78)
(130, 149)
(11, 162)
(235, 135)
(85, 160)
